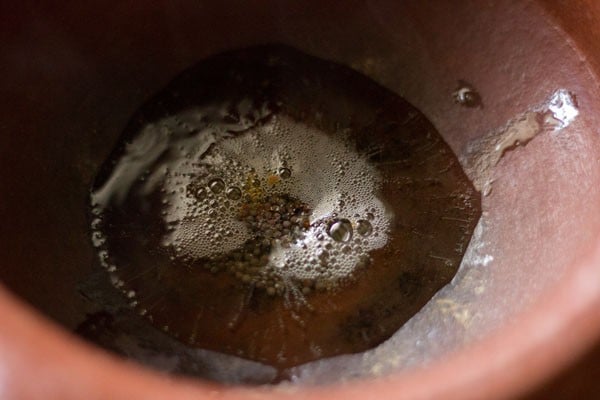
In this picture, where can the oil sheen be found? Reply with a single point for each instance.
(280, 208)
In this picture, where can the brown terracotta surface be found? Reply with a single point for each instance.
(579, 381)
(73, 73)
(58, 361)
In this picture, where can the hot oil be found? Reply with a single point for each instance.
(280, 208)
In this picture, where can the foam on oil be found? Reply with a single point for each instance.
(280, 208)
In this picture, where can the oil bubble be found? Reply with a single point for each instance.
(233, 193)
(216, 185)
(364, 227)
(284, 173)
(340, 230)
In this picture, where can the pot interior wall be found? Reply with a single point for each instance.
(73, 74)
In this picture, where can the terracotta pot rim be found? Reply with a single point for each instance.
(509, 361)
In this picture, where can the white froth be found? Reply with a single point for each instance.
(181, 154)
(326, 173)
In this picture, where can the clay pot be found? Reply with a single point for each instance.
(73, 74)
